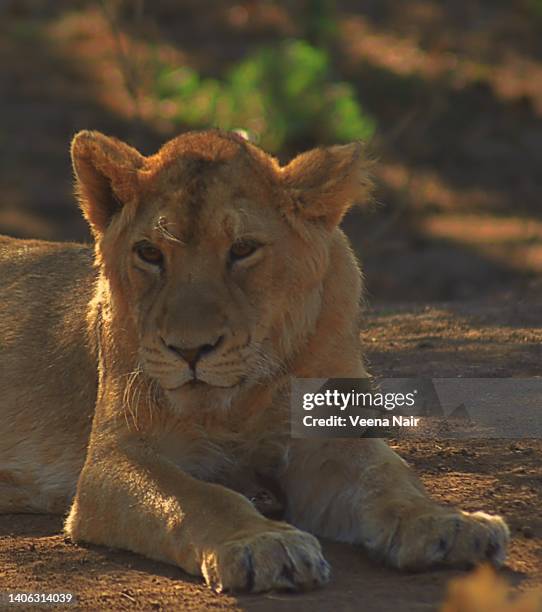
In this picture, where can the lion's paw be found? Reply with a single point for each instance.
(451, 538)
(282, 559)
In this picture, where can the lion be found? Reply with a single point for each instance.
(144, 382)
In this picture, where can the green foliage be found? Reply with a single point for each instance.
(536, 8)
(281, 95)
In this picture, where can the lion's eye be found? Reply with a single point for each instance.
(243, 249)
(149, 253)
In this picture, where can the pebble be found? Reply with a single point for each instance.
(426, 344)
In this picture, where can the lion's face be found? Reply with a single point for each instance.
(207, 246)
(210, 268)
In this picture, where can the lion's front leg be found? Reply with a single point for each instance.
(362, 492)
(130, 497)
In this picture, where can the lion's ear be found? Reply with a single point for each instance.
(106, 176)
(324, 183)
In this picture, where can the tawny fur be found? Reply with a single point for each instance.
(98, 405)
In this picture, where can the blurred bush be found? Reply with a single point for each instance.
(282, 95)
(536, 7)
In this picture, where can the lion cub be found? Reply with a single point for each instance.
(145, 382)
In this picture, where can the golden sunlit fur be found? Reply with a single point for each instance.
(151, 390)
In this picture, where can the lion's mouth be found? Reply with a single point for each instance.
(192, 384)
(197, 384)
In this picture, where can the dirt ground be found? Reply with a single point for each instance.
(475, 338)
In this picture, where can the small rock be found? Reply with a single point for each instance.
(425, 344)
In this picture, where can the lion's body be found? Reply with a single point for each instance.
(152, 387)
(48, 372)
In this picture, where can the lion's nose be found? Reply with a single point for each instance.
(193, 354)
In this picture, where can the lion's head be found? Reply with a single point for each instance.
(215, 254)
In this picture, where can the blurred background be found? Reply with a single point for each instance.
(447, 93)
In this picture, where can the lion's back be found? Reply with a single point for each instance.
(45, 288)
(48, 374)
